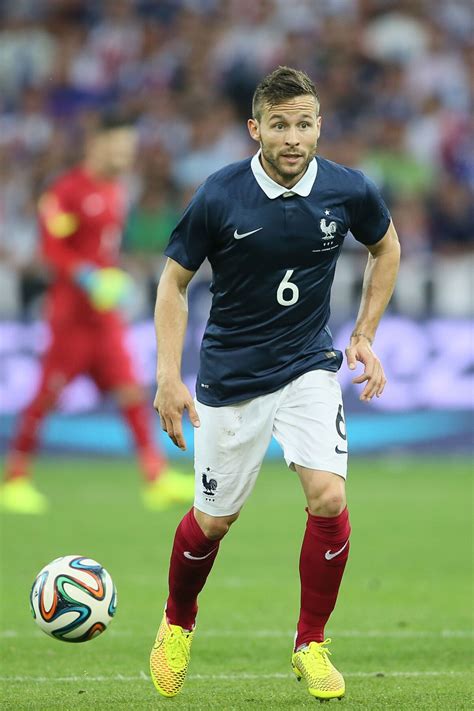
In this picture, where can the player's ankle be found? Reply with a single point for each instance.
(17, 466)
(181, 616)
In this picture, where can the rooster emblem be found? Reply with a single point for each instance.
(328, 230)
(210, 485)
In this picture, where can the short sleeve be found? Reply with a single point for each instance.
(371, 218)
(190, 243)
(57, 213)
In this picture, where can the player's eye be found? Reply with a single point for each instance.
(279, 126)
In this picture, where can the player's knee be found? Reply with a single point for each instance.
(129, 395)
(330, 502)
(214, 527)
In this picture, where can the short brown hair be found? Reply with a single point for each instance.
(282, 84)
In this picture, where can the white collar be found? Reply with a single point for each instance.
(273, 190)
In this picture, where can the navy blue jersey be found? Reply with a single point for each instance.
(273, 253)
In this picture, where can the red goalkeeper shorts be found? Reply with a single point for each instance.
(99, 351)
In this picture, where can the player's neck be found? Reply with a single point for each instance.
(284, 181)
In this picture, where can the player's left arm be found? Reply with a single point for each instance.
(379, 281)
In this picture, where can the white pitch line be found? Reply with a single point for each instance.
(281, 634)
(395, 634)
(222, 677)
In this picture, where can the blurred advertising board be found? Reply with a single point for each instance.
(428, 398)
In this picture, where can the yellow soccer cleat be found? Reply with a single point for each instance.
(21, 496)
(169, 489)
(323, 679)
(181, 484)
(169, 658)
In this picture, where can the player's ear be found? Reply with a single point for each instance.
(319, 122)
(254, 129)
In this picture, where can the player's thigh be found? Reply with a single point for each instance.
(67, 356)
(229, 447)
(112, 367)
(310, 426)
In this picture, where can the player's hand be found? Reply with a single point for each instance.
(107, 288)
(171, 400)
(359, 350)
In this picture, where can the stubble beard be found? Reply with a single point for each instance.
(285, 177)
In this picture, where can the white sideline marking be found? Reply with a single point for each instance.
(388, 634)
(141, 676)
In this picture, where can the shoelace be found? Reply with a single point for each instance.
(319, 652)
(176, 651)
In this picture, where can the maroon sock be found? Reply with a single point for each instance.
(151, 461)
(323, 558)
(192, 558)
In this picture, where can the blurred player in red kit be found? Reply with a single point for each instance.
(81, 220)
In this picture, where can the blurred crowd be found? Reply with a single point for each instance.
(394, 77)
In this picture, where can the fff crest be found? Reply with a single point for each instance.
(328, 230)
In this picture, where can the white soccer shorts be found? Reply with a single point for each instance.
(306, 417)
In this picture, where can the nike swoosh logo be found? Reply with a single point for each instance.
(187, 554)
(246, 234)
(329, 556)
(340, 451)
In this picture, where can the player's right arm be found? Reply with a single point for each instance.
(171, 318)
(58, 222)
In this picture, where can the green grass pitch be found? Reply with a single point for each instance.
(402, 629)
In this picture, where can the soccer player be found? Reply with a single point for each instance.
(272, 228)
(81, 218)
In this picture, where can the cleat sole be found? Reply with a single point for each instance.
(326, 701)
(316, 694)
(297, 673)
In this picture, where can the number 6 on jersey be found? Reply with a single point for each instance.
(287, 285)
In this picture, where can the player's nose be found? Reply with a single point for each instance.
(292, 138)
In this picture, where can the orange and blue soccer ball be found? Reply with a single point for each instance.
(73, 598)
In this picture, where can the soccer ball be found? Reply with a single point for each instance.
(73, 598)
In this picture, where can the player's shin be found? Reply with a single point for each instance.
(25, 442)
(150, 459)
(192, 558)
(323, 559)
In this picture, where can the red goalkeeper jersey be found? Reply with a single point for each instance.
(81, 220)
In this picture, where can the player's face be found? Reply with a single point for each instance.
(115, 150)
(288, 135)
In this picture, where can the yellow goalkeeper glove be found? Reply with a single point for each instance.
(107, 289)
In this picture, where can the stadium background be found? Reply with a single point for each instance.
(395, 84)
